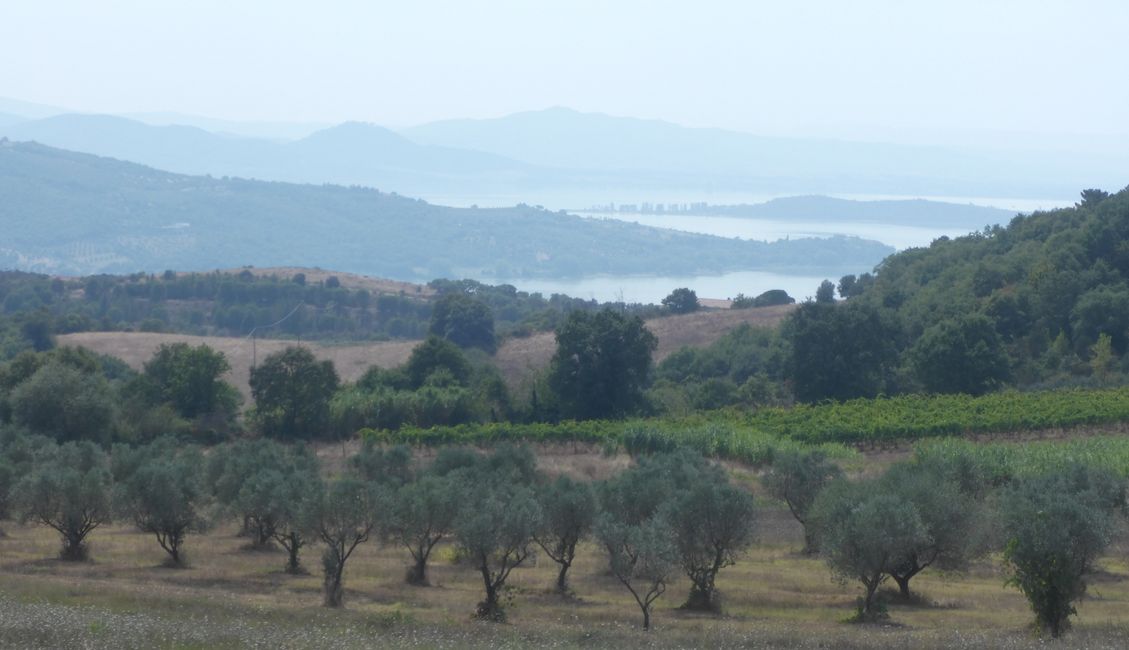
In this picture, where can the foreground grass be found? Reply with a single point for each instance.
(233, 598)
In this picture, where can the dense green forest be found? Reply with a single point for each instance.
(1041, 302)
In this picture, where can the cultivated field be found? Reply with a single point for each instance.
(516, 358)
(234, 598)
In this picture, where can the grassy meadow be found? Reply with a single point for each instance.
(232, 597)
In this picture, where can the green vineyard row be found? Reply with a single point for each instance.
(756, 437)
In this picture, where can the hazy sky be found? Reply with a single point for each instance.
(827, 67)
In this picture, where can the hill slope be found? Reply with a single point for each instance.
(517, 358)
(347, 154)
(71, 213)
(920, 212)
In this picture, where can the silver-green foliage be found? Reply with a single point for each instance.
(1056, 525)
(69, 490)
(495, 530)
(864, 533)
(165, 497)
(342, 516)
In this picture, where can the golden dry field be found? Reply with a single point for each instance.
(231, 597)
(517, 358)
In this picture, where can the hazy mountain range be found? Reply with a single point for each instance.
(72, 213)
(559, 149)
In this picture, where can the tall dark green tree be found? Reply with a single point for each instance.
(839, 351)
(292, 390)
(825, 293)
(960, 355)
(436, 355)
(602, 365)
(466, 322)
(190, 378)
(682, 301)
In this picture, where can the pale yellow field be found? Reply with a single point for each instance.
(517, 358)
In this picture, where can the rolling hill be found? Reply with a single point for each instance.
(71, 213)
(517, 358)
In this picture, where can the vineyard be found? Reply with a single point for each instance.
(1000, 463)
(754, 438)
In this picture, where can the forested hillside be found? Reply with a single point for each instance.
(77, 214)
(1043, 300)
(1039, 303)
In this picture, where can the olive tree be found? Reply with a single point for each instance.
(633, 528)
(713, 522)
(275, 500)
(69, 491)
(863, 533)
(421, 514)
(1055, 526)
(642, 556)
(495, 530)
(796, 478)
(164, 497)
(569, 509)
(343, 516)
(232, 467)
(954, 521)
(390, 467)
(297, 496)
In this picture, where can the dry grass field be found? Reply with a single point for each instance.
(230, 597)
(348, 280)
(517, 358)
(135, 348)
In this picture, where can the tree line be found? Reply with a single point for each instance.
(668, 514)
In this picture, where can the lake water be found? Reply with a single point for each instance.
(652, 289)
(647, 289)
(750, 283)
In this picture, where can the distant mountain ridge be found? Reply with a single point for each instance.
(527, 154)
(347, 154)
(71, 213)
